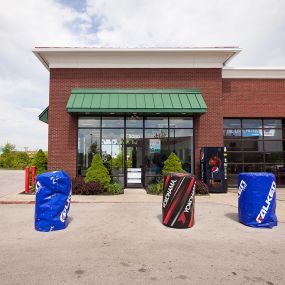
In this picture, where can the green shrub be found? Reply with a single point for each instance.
(172, 164)
(97, 172)
(155, 188)
(115, 189)
(40, 161)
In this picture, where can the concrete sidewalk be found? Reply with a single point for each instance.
(140, 196)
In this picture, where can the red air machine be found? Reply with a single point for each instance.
(214, 168)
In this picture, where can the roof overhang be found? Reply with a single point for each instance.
(212, 57)
(253, 73)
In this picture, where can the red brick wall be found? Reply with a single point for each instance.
(63, 127)
(254, 97)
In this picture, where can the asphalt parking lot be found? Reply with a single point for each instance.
(120, 240)
(125, 243)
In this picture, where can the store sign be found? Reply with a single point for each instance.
(154, 145)
(245, 133)
(269, 132)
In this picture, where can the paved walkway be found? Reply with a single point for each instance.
(10, 195)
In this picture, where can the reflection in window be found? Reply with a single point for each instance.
(272, 123)
(232, 123)
(252, 145)
(88, 145)
(134, 136)
(156, 122)
(89, 122)
(233, 145)
(181, 143)
(156, 149)
(180, 122)
(251, 123)
(112, 122)
(134, 122)
(112, 150)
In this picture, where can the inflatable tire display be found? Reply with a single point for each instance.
(53, 195)
(257, 199)
(178, 200)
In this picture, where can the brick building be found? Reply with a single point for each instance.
(135, 106)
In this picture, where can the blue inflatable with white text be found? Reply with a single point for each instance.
(53, 196)
(257, 199)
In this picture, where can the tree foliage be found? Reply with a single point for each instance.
(98, 172)
(172, 164)
(40, 161)
(10, 158)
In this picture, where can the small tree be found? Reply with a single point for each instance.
(172, 164)
(40, 161)
(98, 172)
(7, 156)
(21, 160)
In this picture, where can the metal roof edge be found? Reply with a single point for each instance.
(43, 113)
(132, 90)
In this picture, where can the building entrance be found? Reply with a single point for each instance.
(134, 161)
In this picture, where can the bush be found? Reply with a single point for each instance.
(77, 185)
(40, 161)
(97, 172)
(155, 188)
(172, 164)
(201, 188)
(80, 187)
(115, 189)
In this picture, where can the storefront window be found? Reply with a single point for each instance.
(88, 145)
(89, 122)
(255, 145)
(112, 122)
(181, 143)
(156, 148)
(156, 122)
(134, 136)
(127, 142)
(134, 122)
(175, 122)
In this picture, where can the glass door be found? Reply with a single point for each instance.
(134, 159)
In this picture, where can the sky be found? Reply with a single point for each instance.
(257, 26)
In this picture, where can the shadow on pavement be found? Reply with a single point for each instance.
(232, 216)
(159, 217)
(70, 219)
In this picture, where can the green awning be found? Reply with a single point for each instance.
(136, 101)
(43, 116)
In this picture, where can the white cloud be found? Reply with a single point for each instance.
(23, 80)
(255, 25)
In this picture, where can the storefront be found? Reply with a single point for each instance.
(134, 147)
(136, 106)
